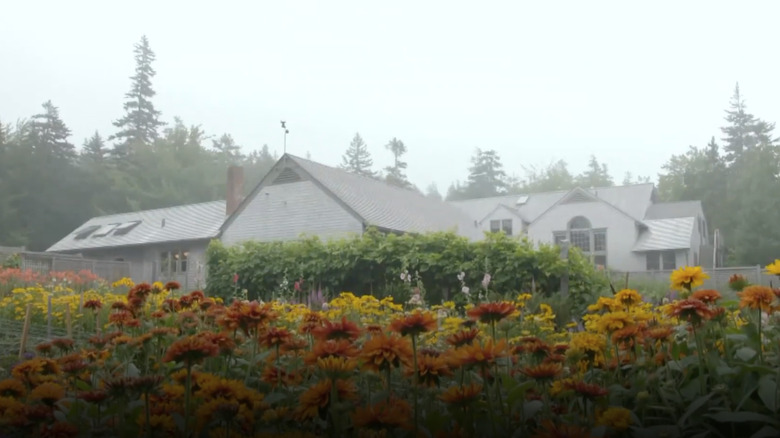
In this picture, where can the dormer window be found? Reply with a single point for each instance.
(504, 225)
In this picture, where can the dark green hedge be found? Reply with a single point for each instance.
(373, 263)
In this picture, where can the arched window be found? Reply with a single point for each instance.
(581, 234)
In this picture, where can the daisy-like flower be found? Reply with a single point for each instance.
(414, 324)
(609, 322)
(491, 312)
(463, 337)
(274, 375)
(12, 388)
(617, 418)
(385, 415)
(482, 356)
(315, 401)
(191, 349)
(773, 268)
(709, 296)
(431, 368)
(626, 335)
(382, 352)
(628, 297)
(336, 367)
(688, 278)
(171, 285)
(93, 305)
(275, 337)
(757, 297)
(461, 395)
(544, 371)
(338, 330)
(333, 347)
(588, 390)
(49, 393)
(691, 310)
(659, 332)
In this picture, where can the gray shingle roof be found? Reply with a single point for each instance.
(185, 222)
(387, 206)
(667, 210)
(663, 234)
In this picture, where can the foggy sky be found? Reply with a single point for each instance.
(537, 81)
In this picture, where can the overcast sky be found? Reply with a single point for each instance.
(536, 81)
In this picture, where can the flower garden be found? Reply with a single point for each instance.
(153, 360)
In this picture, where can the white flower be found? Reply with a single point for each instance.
(465, 290)
(325, 306)
(461, 276)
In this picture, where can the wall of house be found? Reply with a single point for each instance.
(284, 211)
(145, 262)
(621, 231)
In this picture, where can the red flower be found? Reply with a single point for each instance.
(343, 330)
(492, 312)
(172, 285)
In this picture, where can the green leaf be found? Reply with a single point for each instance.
(767, 392)
(518, 393)
(743, 417)
(693, 407)
(746, 353)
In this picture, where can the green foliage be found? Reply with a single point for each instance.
(357, 159)
(373, 263)
(14, 261)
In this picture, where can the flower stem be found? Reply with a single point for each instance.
(760, 341)
(415, 376)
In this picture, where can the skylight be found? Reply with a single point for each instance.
(521, 200)
(126, 228)
(106, 230)
(83, 234)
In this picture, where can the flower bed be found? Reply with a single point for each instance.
(166, 363)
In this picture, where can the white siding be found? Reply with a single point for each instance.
(621, 231)
(285, 211)
(501, 214)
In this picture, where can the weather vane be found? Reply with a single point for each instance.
(286, 131)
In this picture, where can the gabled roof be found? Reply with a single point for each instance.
(374, 202)
(665, 234)
(667, 210)
(184, 222)
(512, 211)
(578, 194)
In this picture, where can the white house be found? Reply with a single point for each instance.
(622, 228)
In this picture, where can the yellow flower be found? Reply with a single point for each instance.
(688, 278)
(617, 418)
(773, 268)
(628, 297)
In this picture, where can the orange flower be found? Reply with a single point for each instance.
(384, 351)
(222, 340)
(757, 297)
(691, 309)
(708, 296)
(480, 355)
(191, 349)
(332, 347)
(626, 335)
(49, 393)
(587, 390)
(93, 305)
(383, 415)
(431, 368)
(314, 402)
(12, 388)
(659, 332)
(35, 371)
(273, 375)
(463, 337)
(543, 371)
(414, 324)
(336, 367)
(311, 321)
(338, 330)
(533, 345)
(461, 395)
(492, 312)
(274, 337)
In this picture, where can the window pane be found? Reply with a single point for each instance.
(495, 226)
(581, 239)
(600, 260)
(669, 260)
(600, 240)
(506, 226)
(183, 266)
(579, 223)
(653, 262)
(164, 259)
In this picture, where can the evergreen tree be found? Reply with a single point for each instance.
(94, 149)
(486, 175)
(555, 177)
(743, 131)
(596, 175)
(395, 173)
(432, 191)
(49, 134)
(141, 120)
(357, 159)
(227, 149)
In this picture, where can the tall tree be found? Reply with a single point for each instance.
(432, 191)
(395, 173)
(357, 158)
(94, 149)
(49, 134)
(555, 176)
(743, 131)
(141, 120)
(596, 175)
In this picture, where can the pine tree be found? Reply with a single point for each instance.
(227, 149)
(486, 175)
(49, 134)
(433, 191)
(141, 120)
(395, 173)
(94, 149)
(357, 158)
(744, 131)
(596, 175)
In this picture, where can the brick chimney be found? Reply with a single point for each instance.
(235, 189)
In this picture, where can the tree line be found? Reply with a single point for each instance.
(48, 187)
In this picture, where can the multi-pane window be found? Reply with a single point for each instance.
(661, 260)
(580, 234)
(504, 225)
(173, 261)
